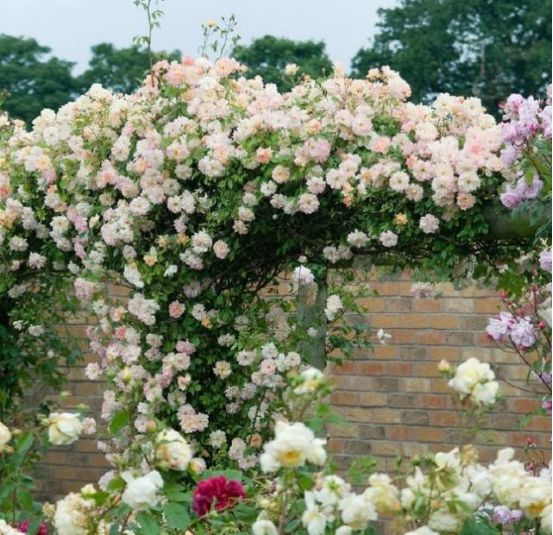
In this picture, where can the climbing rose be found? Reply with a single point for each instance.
(216, 492)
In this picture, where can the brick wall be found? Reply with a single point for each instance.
(392, 396)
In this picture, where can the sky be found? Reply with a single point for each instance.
(71, 27)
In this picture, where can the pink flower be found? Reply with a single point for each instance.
(545, 260)
(176, 309)
(216, 492)
(264, 155)
(380, 144)
(429, 224)
(184, 346)
(498, 327)
(522, 333)
(388, 238)
(511, 198)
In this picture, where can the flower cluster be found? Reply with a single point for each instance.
(442, 493)
(216, 493)
(472, 380)
(525, 120)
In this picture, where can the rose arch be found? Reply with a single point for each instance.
(200, 190)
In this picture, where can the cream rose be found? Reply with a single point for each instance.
(172, 451)
(142, 492)
(5, 437)
(64, 428)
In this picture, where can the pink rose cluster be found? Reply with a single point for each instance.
(525, 119)
(506, 327)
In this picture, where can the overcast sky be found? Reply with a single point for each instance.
(71, 27)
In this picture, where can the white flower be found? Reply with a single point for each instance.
(217, 438)
(344, 530)
(308, 203)
(383, 494)
(141, 492)
(201, 242)
(313, 519)
(333, 306)
(429, 224)
(445, 522)
(388, 238)
(423, 530)
(172, 451)
(291, 69)
(5, 436)
(357, 511)
(72, 514)
(64, 428)
(477, 380)
(333, 489)
(383, 336)
(6, 529)
(221, 249)
(357, 239)
(293, 446)
(486, 393)
(303, 276)
(132, 274)
(263, 526)
(311, 379)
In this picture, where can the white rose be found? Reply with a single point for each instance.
(423, 530)
(172, 451)
(264, 527)
(317, 453)
(64, 428)
(141, 492)
(485, 394)
(294, 444)
(344, 530)
(311, 378)
(445, 522)
(5, 436)
(357, 511)
(469, 374)
(71, 515)
(6, 529)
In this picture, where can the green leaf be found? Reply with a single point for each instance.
(473, 526)
(177, 515)
(119, 421)
(229, 474)
(305, 481)
(148, 523)
(25, 499)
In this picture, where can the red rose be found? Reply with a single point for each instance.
(216, 492)
(24, 527)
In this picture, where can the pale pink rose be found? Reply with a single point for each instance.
(176, 309)
(221, 249)
(264, 155)
(380, 144)
(429, 224)
(465, 201)
(268, 367)
(388, 238)
(281, 174)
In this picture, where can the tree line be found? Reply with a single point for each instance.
(485, 48)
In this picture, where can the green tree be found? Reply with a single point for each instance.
(119, 69)
(32, 77)
(268, 55)
(487, 48)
